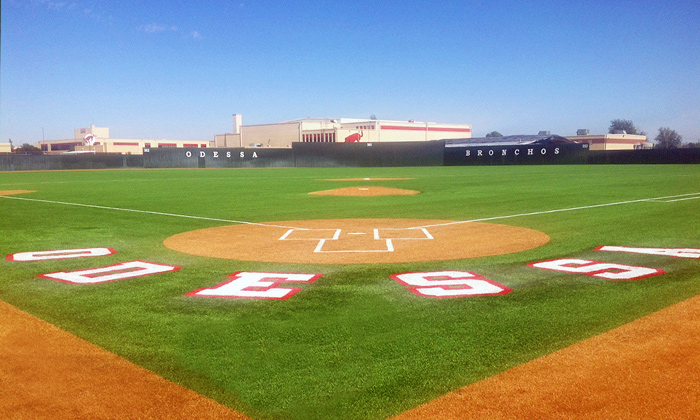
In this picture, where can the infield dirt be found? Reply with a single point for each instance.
(14, 192)
(356, 241)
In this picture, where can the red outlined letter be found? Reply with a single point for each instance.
(114, 272)
(668, 252)
(442, 284)
(252, 285)
(60, 254)
(609, 271)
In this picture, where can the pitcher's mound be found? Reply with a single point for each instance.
(365, 192)
(368, 179)
(357, 241)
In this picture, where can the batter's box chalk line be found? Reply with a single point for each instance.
(336, 240)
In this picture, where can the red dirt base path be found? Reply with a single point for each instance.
(647, 369)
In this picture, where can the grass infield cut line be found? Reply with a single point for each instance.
(485, 219)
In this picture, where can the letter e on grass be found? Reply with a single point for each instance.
(254, 285)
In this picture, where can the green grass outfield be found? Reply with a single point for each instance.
(354, 344)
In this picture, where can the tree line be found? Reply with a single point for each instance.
(666, 139)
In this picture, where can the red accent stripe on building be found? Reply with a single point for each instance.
(423, 128)
(453, 130)
(167, 144)
(123, 143)
(190, 145)
(399, 127)
(613, 141)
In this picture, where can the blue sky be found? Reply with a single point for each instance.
(180, 69)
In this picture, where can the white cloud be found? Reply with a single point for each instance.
(46, 4)
(153, 28)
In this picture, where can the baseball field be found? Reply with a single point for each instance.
(353, 293)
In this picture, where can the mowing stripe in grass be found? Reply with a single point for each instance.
(151, 212)
(670, 198)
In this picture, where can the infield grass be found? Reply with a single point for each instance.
(354, 344)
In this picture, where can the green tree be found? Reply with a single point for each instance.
(668, 139)
(494, 134)
(28, 149)
(626, 125)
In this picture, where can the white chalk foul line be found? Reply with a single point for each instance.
(671, 198)
(510, 216)
(158, 213)
(674, 199)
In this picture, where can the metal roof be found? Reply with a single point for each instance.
(516, 140)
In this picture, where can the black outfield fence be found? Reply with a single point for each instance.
(425, 153)
(431, 153)
(652, 156)
(14, 162)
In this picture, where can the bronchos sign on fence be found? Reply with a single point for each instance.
(515, 154)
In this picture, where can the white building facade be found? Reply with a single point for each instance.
(96, 140)
(337, 130)
(613, 141)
